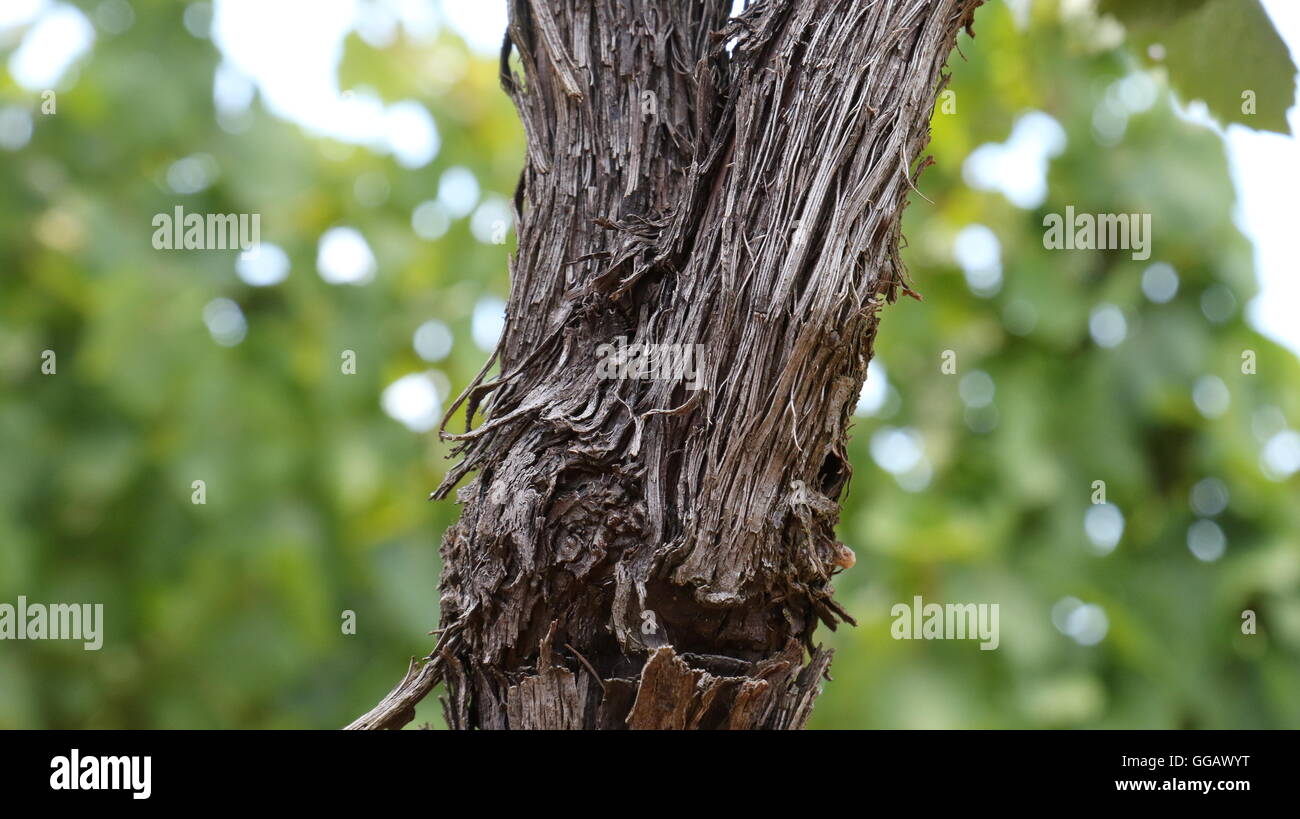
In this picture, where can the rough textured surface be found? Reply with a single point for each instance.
(632, 553)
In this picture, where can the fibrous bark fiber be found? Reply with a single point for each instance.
(632, 552)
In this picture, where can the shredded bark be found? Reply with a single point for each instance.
(690, 179)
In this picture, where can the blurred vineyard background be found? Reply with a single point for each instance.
(391, 242)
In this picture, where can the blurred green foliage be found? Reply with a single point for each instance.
(228, 614)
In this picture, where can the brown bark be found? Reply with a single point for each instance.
(634, 553)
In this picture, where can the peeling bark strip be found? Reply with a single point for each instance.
(631, 553)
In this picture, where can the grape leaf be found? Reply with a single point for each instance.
(1225, 52)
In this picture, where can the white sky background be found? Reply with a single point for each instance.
(1266, 170)
(299, 82)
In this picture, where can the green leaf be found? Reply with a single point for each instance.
(1149, 12)
(1225, 52)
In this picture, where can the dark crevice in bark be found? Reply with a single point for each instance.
(633, 553)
